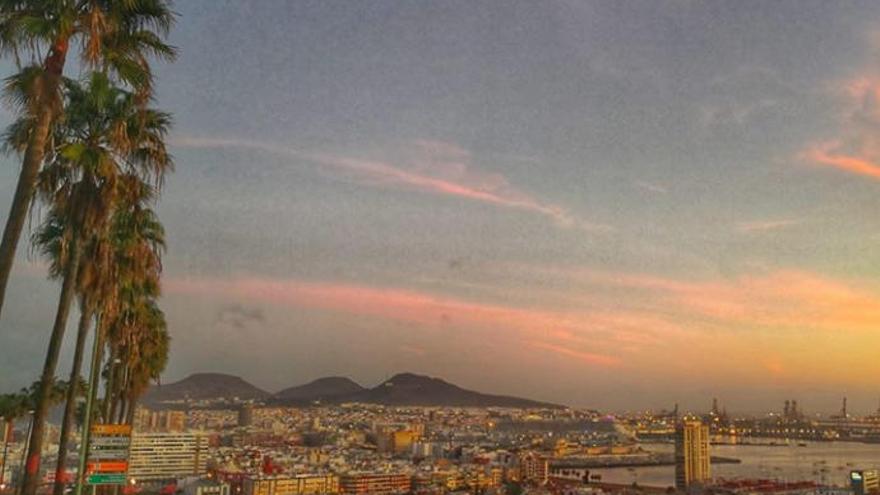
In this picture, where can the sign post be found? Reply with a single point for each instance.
(108, 455)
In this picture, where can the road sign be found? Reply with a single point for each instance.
(108, 455)
(108, 467)
(120, 440)
(106, 479)
(111, 430)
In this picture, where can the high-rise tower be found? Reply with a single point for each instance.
(691, 453)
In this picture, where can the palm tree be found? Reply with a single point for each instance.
(143, 356)
(88, 292)
(12, 407)
(105, 136)
(134, 320)
(17, 405)
(116, 36)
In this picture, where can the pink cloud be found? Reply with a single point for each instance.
(828, 154)
(587, 357)
(656, 324)
(856, 147)
(434, 167)
(601, 331)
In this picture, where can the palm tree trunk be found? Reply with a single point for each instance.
(35, 446)
(85, 319)
(7, 427)
(122, 395)
(132, 407)
(30, 167)
(21, 201)
(91, 399)
(110, 386)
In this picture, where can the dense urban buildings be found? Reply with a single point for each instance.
(252, 448)
(301, 484)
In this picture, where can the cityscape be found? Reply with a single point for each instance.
(196, 437)
(430, 247)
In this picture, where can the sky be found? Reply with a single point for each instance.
(613, 204)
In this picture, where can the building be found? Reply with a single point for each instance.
(375, 483)
(165, 456)
(303, 484)
(864, 481)
(246, 415)
(533, 468)
(148, 421)
(396, 442)
(691, 454)
(207, 487)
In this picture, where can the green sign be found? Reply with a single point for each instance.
(106, 479)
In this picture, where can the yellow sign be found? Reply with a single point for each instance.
(111, 429)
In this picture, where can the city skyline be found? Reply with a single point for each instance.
(614, 205)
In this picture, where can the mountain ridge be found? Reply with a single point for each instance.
(319, 389)
(402, 389)
(204, 386)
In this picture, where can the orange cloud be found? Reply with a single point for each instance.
(654, 324)
(826, 154)
(785, 299)
(856, 148)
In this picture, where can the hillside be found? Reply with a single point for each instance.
(202, 386)
(321, 389)
(408, 389)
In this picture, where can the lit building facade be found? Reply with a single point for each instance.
(146, 420)
(375, 483)
(864, 482)
(533, 467)
(162, 456)
(691, 454)
(304, 484)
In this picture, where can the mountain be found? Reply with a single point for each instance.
(201, 386)
(409, 389)
(404, 389)
(320, 389)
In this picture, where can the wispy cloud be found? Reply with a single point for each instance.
(663, 325)
(829, 154)
(587, 357)
(604, 333)
(782, 299)
(434, 167)
(652, 187)
(856, 147)
(757, 226)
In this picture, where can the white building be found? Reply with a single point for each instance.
(160, 456)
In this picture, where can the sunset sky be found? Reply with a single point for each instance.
(617, 204)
